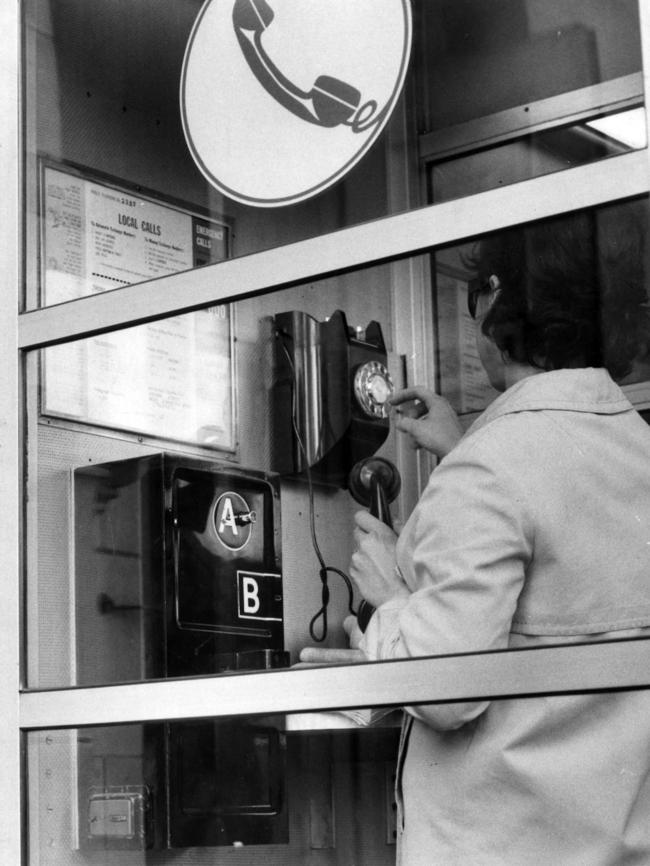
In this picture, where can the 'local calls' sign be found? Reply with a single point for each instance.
(280, 99)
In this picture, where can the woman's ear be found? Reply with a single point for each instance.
(495, 289)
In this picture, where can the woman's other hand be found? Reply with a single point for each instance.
(372, 567)
(312, 655)
(428, 419)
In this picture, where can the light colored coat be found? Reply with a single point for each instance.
(534, 529)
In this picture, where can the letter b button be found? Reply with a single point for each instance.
(259, 596)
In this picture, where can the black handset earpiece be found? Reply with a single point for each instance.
(330, 102)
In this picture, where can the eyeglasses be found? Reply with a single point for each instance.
(477, 287)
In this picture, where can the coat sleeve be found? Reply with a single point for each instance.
(463, 554)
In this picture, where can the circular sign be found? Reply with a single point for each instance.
(280, 99)
(233, 520)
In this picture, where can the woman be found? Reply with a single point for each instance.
(533, 529)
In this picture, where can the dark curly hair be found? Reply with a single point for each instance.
(573, 289)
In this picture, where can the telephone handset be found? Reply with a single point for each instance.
(374, 482)
(330, 102)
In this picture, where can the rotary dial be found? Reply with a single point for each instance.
(372, 388)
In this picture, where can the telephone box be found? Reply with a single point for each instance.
(178, 572)
(178, 569)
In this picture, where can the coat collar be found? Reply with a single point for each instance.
(588, 389)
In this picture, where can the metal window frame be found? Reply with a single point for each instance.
(566, 669)
(548, 670)
(566, 109)
(344, 250)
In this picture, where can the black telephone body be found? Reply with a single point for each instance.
(331, 390)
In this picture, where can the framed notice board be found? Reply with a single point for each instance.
(171, 379)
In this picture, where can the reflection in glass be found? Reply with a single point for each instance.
(614, 256)
(296, 790)
(524, 156)
(150, 558)
(173, 531)
(483, 60)
(177, 375)
(476, 77)
(197, 793)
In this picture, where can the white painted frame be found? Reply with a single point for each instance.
(619, 665)
(359, 246)
(538, 671)
(11, 277)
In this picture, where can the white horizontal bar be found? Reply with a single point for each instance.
(369, 243)
(544, 670)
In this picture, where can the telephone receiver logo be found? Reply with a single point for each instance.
(330, 102)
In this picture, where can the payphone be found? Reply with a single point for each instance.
(178, 569)
(178, 572)
(331, 393)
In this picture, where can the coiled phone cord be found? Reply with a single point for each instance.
(324, 569)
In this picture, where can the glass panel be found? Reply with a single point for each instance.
(121, 184)
(481, 59)
(191, 792)
(538, 154)
(170, 503)
(152, 554)
(570, 772)
(610, 252)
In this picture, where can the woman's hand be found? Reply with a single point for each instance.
(430, 421)
(372, 567)
(312, 655)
